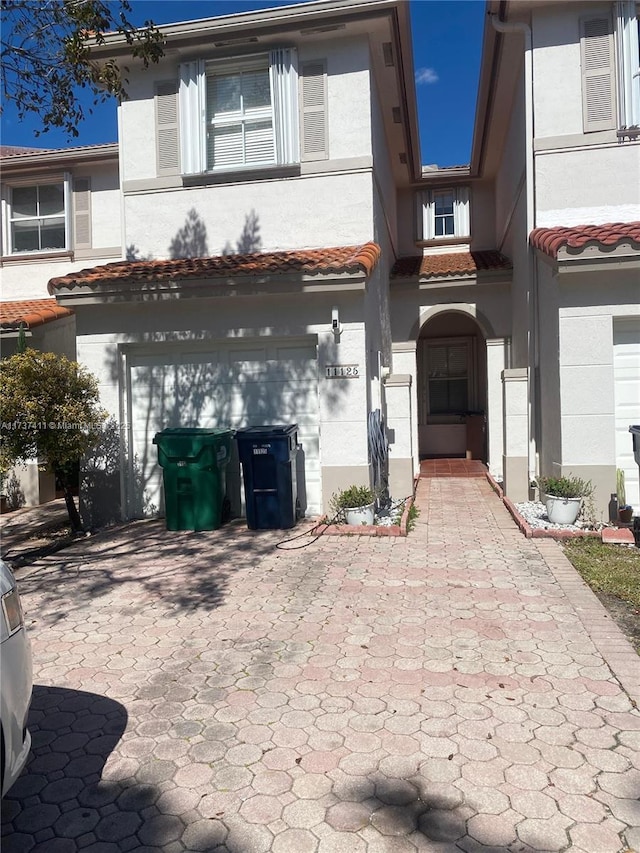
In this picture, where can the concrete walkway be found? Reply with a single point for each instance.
(25, 528)
(458, 690)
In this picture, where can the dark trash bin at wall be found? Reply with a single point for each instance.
(268, 457)
(193, 462)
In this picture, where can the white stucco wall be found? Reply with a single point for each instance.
(406, 217)
(349, 120)
(28, 279)
(483, 215)
(384, 183)
(548, 416)
(509, 182)
(342, 402)
(412, 308)
(292, 213)
(588, 186)
(557, 67)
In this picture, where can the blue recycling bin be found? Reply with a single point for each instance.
(268, 456)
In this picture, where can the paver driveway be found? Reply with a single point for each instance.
(436, 693)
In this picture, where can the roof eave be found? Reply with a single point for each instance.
(63, 157)
(433, 282)
(283, 17)
(129, 290)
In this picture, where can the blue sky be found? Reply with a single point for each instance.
(447, 39)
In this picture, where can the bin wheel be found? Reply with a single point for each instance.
(226, 510)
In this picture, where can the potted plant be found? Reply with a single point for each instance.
(354, 504)
(625, 510)
(563, 497)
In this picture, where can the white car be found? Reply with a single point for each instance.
(16, 681)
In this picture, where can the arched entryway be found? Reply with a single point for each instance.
(452, 387)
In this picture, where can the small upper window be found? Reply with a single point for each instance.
(37, 218)
(443, 214)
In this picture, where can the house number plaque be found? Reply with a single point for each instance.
(342, 371)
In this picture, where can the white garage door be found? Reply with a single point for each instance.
(251, 383)
(626, 367)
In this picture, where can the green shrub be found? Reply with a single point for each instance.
(351, 497)
(565, 487)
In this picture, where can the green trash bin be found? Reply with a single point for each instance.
(193, 462)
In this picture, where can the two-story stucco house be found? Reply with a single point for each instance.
(287, 258)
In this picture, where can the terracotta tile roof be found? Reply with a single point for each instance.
(7, 151)
(453, 263)
(342, 259)
(551, 240)
(31, 312)
(18, 150)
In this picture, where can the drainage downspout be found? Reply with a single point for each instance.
(532, 331)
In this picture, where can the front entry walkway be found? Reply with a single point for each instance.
(457, 690)
(452, 467)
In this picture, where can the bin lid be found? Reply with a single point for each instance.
(635, 429)
(201, 433)
(272, 431)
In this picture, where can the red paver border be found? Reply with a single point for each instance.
(367, 529)
(537, 532)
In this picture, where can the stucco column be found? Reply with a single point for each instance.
(496, 358)
(405, 363)
(397, 389)
(515, 459)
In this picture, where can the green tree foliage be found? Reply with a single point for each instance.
(45, 50)
(49, 411)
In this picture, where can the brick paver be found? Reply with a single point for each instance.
(460, 689)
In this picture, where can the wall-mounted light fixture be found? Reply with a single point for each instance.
(336, 328)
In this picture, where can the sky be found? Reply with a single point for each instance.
(447, 40)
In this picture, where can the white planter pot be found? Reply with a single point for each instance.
(359, 515)
(562, 510)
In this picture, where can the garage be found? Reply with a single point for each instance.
(626, 368)
(249, 382)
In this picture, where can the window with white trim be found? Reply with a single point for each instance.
(38, 217)
(443, 213)
(239, 114)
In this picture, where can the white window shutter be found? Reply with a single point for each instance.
(462, 226)
(81, 213)
(628, 61)
(283, 70)
(598, 74)
(315, 142)
(67, 211)
(425, 215)
(192, 99)
(167, 130)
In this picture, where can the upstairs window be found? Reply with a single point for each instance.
(239, 114)
(37, 216)
(240, 118)
(443, 214)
